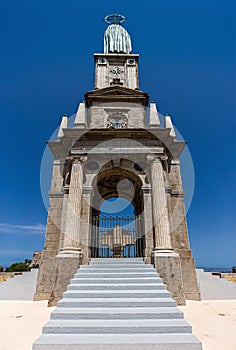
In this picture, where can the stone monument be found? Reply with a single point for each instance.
(116, 148)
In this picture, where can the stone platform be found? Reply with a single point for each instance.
(113, 304)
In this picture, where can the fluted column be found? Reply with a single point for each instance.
(160, 211)
(72, 226)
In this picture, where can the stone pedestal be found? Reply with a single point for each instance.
(191, 290)
(65, 266)
(45, 276)
(167, 264)
(46, 269)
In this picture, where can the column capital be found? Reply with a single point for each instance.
(152, 158)
(77, 159)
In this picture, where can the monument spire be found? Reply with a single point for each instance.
(116, 37)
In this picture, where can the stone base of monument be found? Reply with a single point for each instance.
(66, 265)
(167, 264)
(191, 291)
(117, 304)
(45, 276)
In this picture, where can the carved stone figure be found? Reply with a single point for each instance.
(116, 38)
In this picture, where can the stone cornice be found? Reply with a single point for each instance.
(120, 150)
(87, 189)
(62, 147)
(177, 193)
(116, 93)
(55, 194)
(115, 55)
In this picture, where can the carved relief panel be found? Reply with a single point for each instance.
(116, 120)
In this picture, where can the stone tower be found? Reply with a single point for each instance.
(116, 148)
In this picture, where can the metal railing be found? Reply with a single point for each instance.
(116, 237)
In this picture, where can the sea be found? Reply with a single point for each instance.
(216, 269)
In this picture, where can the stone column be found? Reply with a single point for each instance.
(160, 210)
(63, 219)
(85, 225)
(72, 242)
(148, 225)
(166, 260)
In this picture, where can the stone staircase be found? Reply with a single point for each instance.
(117, 304)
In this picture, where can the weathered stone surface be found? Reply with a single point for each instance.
(168, 266)
(64, 269)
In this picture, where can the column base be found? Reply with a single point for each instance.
(70, 251)
(167, 264)
(67, 263)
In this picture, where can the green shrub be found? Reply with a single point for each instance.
(18, 267)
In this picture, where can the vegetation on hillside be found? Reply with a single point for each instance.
(19, 266)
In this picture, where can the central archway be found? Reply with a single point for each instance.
(117, 220)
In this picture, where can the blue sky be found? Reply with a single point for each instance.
(187, 65)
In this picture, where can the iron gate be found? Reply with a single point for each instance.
(116, 237)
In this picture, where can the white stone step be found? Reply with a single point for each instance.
(117, 261)
(115, 274)
(126, 286)
(116, 294)
(117, 326)
(130, 264)
(117, 302)
(113, 280)
(111, 313)
(115, 269)
(117, 342)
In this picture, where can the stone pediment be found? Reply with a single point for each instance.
(116, 93)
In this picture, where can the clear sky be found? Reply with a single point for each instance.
(187, 65)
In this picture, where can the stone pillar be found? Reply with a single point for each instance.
(160, 211)
(63, 218)
(85, 225)
(148, 224)
(72, 242)
(46, 270)
(69, 258)
(166, 260)
(179, 232)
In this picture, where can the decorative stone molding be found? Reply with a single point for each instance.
(177, 193)
(55, 194)
(146, 189)
(87, 189)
